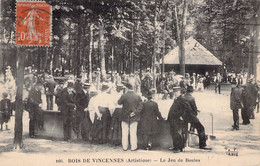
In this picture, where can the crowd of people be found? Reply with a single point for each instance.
(123, 105)
(245, 97)
(115, 109)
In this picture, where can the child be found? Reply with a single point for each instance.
(5, 109)
(148, 123)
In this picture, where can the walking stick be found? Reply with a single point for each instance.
(212, 137)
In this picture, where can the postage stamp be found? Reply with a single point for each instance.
(33, 23)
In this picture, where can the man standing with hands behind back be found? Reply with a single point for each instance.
(132, 106)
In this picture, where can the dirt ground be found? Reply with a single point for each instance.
(48, 152)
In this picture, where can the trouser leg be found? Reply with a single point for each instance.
(51, 102)
(172, 129)
(145, 140)
(245, 116)
(67, 127)
(236, 118)
(133, 135)
(125, 134)
(48, 101)
(201, 132)
(31, 127)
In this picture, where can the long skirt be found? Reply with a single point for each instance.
(101, 127)
(115, 132)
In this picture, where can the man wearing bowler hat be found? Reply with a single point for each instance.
(190, 116)
(67, 107)
(132, 106)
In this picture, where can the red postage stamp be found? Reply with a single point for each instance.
(33, 23)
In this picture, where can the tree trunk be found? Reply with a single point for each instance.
(18, 129)
(132, 50)
(78, 60)
(46, 58)
(182, 38)
(102, 52)
(164, 45)
(257, 48)
(90, 52)
(154, 48)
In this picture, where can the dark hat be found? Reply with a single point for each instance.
(86, 85)
(104, 87)
(70, 85)
(4, 95)
(129, 85)
(190, 89)
(150, 93)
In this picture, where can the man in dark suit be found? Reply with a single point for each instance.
(67, 108)
(190, 116)
(35, 104)
(132, 106)
(236, 103)
(178, 129)
(81, 101)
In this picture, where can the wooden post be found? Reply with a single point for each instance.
(18, 129)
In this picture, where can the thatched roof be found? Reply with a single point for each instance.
(195, 54)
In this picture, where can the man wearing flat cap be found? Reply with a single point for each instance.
(132, 106)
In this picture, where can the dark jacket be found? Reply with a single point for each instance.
(190, 109)
(131, 103)
(5, 106)
(81, 100)
(49, 87)
(66, 101)
(34, 98)
(236, 98)
(149, 114)
(251, 91)
(176, 110)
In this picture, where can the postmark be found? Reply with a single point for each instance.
(33, 23)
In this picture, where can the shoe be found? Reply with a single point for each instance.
(205, 148)
(134, 149)
(176, 150)
(235, 127)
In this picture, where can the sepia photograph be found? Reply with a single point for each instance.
(129, 82)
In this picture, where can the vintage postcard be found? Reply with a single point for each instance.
(126, 82)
